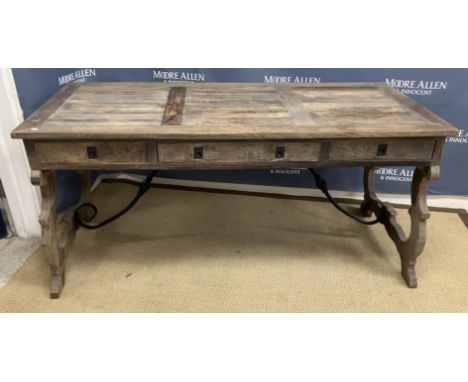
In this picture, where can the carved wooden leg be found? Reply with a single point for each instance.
(50, 236)
(409, 247)
(58, 231)
(369, 191)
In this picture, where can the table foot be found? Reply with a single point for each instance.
(409, 246)
(57, 282)
(408, 272)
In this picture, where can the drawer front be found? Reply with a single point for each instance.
(90, 152)
(420, 149)
(238, 152)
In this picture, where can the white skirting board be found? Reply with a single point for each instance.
(455, 202)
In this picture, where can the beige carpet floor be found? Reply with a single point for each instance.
(187, 251)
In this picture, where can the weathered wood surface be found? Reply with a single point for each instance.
(77, 152)
(221, 126)
(409, 246)
(247, 152)
(230, 111)
(357, 149)
(58, 230)
(109, 154)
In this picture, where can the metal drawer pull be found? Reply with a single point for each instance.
(92, 152)
(382, 150)
(198, 152)
(279, 152)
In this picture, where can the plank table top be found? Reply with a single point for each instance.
(226, 111)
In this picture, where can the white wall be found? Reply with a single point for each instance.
(22, 197)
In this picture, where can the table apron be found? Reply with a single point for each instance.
(202, 155)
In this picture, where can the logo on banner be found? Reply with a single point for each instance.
(395, 174)
(413, 87)
(291, 79)
(289, 171)
(178, 76)
(462, 137)
(79, 75)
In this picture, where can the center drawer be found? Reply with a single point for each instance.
(238, 152)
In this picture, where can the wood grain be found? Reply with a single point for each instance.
(174, 106)
(230, 111)
(243, 152)
(77, 152)
(410, 245)
(354, 150)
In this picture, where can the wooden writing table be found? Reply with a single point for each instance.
(232, 126)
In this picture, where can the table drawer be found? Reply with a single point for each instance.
(420, 149)
(90, 152)
(238, 152)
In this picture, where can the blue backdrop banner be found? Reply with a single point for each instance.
(443, 91)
